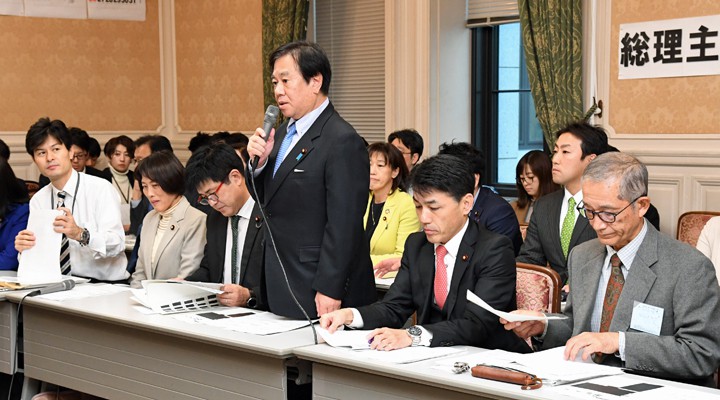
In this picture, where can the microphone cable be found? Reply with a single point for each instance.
(272, 240)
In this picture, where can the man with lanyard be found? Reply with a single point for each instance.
(93, 239)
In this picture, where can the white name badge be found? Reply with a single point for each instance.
(646, 318)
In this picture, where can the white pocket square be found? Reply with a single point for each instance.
(298, 170)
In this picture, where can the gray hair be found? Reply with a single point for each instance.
(610, 167)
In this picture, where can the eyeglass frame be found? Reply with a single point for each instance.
(80, 156)
(205, 199)
(584, 211)
(521, 180)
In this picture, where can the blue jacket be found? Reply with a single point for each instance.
(15, 220)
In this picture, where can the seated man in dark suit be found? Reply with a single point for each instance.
(452, 255)
(234, 249)
(554, 226)
(639, 299)
(80, 153)
(490, 210)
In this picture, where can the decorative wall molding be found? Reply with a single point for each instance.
(665, 194)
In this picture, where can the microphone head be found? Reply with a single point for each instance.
(68, 284)
(271, 115)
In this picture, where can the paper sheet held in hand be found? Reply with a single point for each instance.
(506, 315)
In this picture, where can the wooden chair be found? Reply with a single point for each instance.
(538, 288)
(691, 223)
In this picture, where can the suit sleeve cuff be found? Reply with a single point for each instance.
(357, 321)
(542, 337)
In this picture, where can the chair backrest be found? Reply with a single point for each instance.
(691, 223)
(538, 288)
(523, 231)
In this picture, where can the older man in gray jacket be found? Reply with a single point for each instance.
(640, 299)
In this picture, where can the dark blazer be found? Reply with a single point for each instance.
(212, 265)
(485, 265)
(542, 242)
(43, 180)
(137, 215)
(496, 215)
(667, 274)
(315, 206)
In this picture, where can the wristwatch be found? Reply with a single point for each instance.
(252, 300)
(415, 334)
(84, 237)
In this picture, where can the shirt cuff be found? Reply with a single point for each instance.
(134, 203)
(621, 346)
(425, 337)
(357, 321)
(259, 170)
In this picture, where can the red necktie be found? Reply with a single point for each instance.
(440, 276)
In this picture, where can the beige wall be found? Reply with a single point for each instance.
(664, 105)
(192, 65)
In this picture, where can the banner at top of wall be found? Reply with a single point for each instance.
(127, 10)
(669, 48)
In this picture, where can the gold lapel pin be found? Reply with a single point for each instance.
(465, 257)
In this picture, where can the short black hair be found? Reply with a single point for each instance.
(113, 143)
(200, 139)
(12, 190)
(310, 59)
(4, 150)
(80, 138)
(469, 153)
(593, 139)
(156, 143)
(212, 163)
(44, 127)
(237, 140)
(445, 173)
(410, 138)
(93, 147)
(165, 169)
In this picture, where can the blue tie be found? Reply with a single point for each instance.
(284, 147)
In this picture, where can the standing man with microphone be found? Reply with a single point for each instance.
(312, 178)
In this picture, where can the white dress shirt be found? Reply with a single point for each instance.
(244, 213)
(97, 209)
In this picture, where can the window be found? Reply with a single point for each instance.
(503, 122)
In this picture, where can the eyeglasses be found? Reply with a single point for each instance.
(526, 179)
(605, 216)
(206, 199)
(79, 156)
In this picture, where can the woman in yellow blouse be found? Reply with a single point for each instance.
(390, 216)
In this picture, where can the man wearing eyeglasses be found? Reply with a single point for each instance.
(554, 227)
(234, 249)
(640, 299)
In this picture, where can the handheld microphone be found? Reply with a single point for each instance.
(271, 116)
(66, 284)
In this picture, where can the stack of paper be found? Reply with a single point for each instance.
(166, 297)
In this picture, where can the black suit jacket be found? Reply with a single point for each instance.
(212, 265)
(315, 206)
(43, 180)
(542, 242)
(496, 215)
(485, 265)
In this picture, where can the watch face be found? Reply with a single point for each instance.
(414, 331)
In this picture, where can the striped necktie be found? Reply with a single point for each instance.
(284, 147)
(65, 244)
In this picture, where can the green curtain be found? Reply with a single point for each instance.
(283, 21)
(552, 37)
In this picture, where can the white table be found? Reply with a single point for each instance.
(339, 374)
(104, 346)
